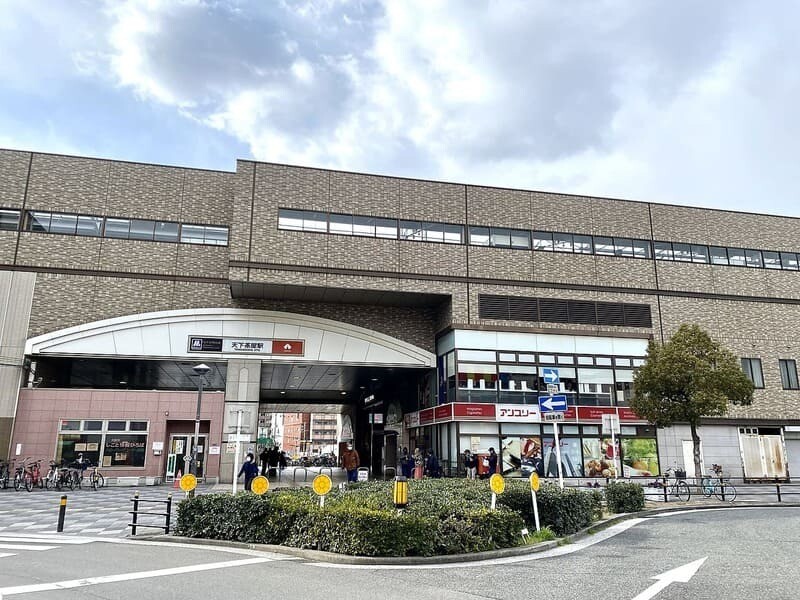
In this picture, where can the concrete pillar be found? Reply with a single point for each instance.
(242, 392)
(16, 297)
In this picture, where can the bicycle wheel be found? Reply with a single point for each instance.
(682, 491)
(707, 487)
(68, 481)
(101, 481)
(28, 482)
(95, 481)
(49, 480)
(725, 492)
(17, 483)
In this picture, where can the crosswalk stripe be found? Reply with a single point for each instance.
(43, 540)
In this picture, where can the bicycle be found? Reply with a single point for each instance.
(96, 479)
(58, 477)
(715, 485)
(679, 488)
(5, 474)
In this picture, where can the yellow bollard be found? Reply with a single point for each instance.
(400, 492)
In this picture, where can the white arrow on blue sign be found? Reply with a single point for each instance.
(550, 375)
(553, 403)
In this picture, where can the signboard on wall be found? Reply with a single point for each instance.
(229, 345)
(516, 413)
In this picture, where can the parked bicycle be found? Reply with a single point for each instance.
(715, 485)
(28, 475)
(5, 474)
(58, 477)
(678, 487)
(96, 479)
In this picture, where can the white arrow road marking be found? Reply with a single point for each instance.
(678, 575)
(74, 583)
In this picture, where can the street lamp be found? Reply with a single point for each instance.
(199, 370)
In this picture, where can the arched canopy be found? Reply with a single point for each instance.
(166, 335)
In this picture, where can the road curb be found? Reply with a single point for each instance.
(343, 559)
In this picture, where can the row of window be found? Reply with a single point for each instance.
(109, 443)
(523, 239)
(788, 369)
(114, 227)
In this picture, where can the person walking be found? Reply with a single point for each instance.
(419, 463)
(406, 464)
(249, 470)
(471, 464)
(264, 459)
(492, 462)
(432, 465)
(350, 462)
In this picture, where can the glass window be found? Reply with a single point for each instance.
(582, 244)
(641, 249)
(623, 247)
(543, 240)
(386, 228)
(364, 226)
(736, 257)
(529, 358)
(699, 253)
(341, 224)
(602, 361)
(788, 374)
(70, 445)
(506, 357)
(142, 230)
(9, 220)
(124, 450)
(518, 383)
(565, 360)
(638, 362)
(118, 228)
(290, 219)
(63, 223)
(434, 232)
(603, 245)
(315, 221)
(478, 236)
(585, 360)
(682, 252)
(38, 221)
(521, 238)
(595, 386)
(548, 359)
(562, 242)
(719, 255)
(91, 226)
(752, 368)
(70, 425)
(166, 232)
(662, 250)
(411, 230)
(453, 234)
(501, 238)
(117, 425)
(753, 258)
(622, 362)
(789, 261)
(216, 236)
(477, 355)
(137, 426)
(92, 425)
(192, 234)
(772, 260)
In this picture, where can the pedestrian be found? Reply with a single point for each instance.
(492, 462)
(264, 458)
(406, 464)
(419, 463)
(350, 462)
(249, 470)
(432, 464)
(471, 464)
(282, 460)
(272, 459)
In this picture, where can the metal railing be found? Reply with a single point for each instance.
(136, 513)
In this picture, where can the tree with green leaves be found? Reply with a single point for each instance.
(687, 378)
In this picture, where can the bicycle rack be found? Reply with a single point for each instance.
(329, 469)
(137, 513)
(387, 470)
(294, 474)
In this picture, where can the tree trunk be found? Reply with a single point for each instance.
(696, 448)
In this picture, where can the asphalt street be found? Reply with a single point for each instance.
(749, 553)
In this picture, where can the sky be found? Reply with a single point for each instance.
(684, 102)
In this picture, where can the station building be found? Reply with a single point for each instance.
(425, 314)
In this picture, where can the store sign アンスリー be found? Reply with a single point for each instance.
(246, 345)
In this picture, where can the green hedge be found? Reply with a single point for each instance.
(624, 497)
(442, 517)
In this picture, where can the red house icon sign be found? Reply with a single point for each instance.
(294, 347)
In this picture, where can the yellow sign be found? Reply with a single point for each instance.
(497, 483)
(321, 485)
(535, 482)
(259, 485)
(188, 482)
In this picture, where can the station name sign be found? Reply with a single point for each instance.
(229, 345)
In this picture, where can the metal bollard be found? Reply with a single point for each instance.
(135, 512)
(665, 492)
(778, 487)
(62, 512)
(169, 512)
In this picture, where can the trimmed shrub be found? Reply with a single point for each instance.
(623, 497)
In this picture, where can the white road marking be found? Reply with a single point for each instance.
(25, 547)
(680, 574)
(75, 583)
(42, 540)
(557, 551)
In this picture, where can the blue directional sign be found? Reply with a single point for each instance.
(556, 403)
(550, 375)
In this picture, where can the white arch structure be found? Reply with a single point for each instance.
(165, 335)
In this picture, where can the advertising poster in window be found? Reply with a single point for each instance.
(598, 457)
(522, 456)
(640, 458)
(571, 465)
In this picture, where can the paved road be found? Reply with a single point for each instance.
(751, 553)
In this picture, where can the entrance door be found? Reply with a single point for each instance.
(180, 444)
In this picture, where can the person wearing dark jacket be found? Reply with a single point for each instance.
(432, 465)
(492, 462)
(249, 470)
